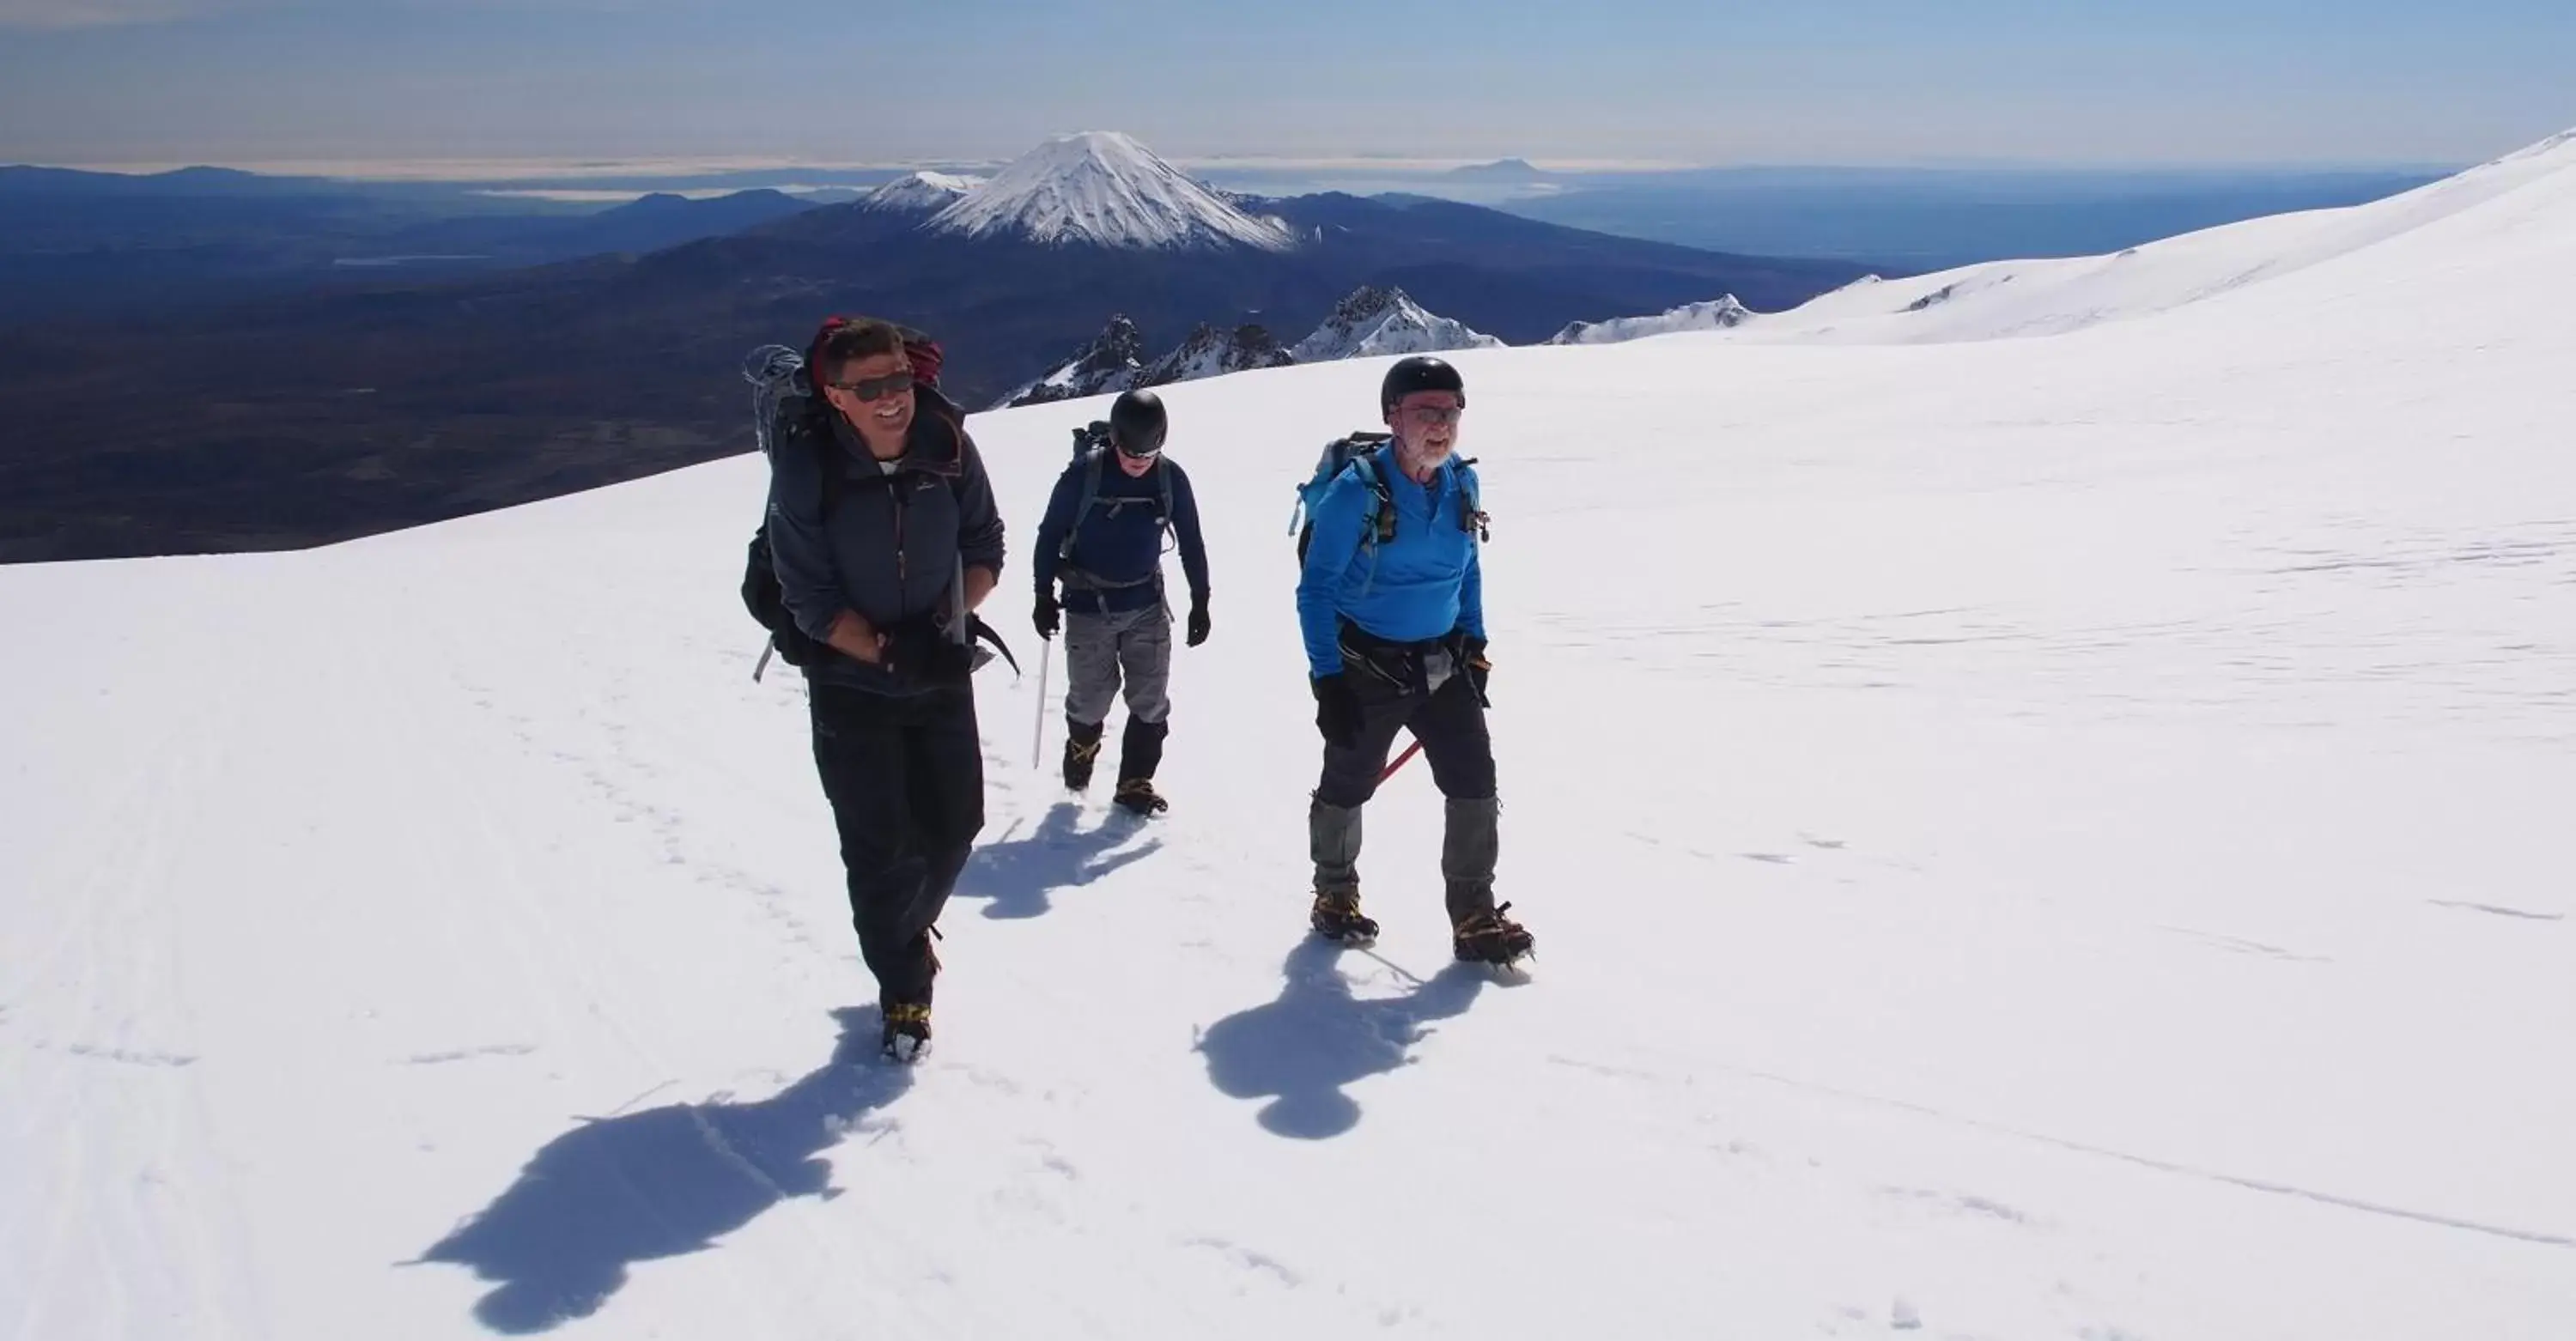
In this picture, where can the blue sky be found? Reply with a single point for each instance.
(1824, 81)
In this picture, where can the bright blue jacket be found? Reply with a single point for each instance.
(1419, 586)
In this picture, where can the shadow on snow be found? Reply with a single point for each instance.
(664, 1182)
(1302, 1049)
(1019, 874)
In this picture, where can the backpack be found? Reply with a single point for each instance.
(776, 374)
(779, 386)
(1091, 446)
(1358, 452)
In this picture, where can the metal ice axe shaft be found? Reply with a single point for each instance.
(1037, 729)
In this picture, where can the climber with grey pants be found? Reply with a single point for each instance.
(1391, 601)
(1102, 540)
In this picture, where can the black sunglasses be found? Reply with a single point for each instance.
(876, 388)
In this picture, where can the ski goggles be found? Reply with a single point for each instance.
(876, 388)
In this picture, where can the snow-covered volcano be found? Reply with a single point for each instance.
(922, 192)
(2061, 838)
(1105, 189)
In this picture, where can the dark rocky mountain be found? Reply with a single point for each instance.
(1110, 361)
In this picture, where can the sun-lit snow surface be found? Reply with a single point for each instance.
(1372, 321)
(2003, 299)
(1716, 315)
(1104, 188)
(2058, 838)
(920, 192)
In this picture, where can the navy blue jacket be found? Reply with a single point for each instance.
(1422, 585)
(894, 544)
(1117, 555)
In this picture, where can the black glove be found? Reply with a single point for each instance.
(1337, 710)
(1198, 621)
(1049, 616)
(1478, 669)
(922, 653)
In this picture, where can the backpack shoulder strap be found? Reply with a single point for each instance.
(827, 459)
(1377, 515)
(1090, 485)
(1082, 510)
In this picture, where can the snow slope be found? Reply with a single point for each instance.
(2052, 839)
(1717, 315)
(920, 192)
(1373, 321)
(2005, 299)
(1104, 189)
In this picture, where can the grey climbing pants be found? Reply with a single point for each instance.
(1102, 650)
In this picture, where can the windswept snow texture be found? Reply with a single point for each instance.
(920, 193)
(2006, 299)
(1105, 189)
(1374, 321)
(2061, 838)
(1721, 314)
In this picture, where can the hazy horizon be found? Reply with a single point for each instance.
(392, 84)
(434, 169)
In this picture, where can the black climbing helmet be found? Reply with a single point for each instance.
(1137, 423)
(1421, 372)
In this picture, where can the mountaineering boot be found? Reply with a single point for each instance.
(1081, 747)
(1491, 938)
(1140, 752)
(907, 1031)
(1337, 917)
(907, 1022)
(1139, 796)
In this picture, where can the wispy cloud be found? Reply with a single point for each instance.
(65, 14)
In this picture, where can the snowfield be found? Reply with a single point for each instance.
(2061, 837)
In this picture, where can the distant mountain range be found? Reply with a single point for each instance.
(1369, 322)
(91, 245)
(402, 400)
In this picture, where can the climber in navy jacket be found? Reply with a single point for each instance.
(1102, 540)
